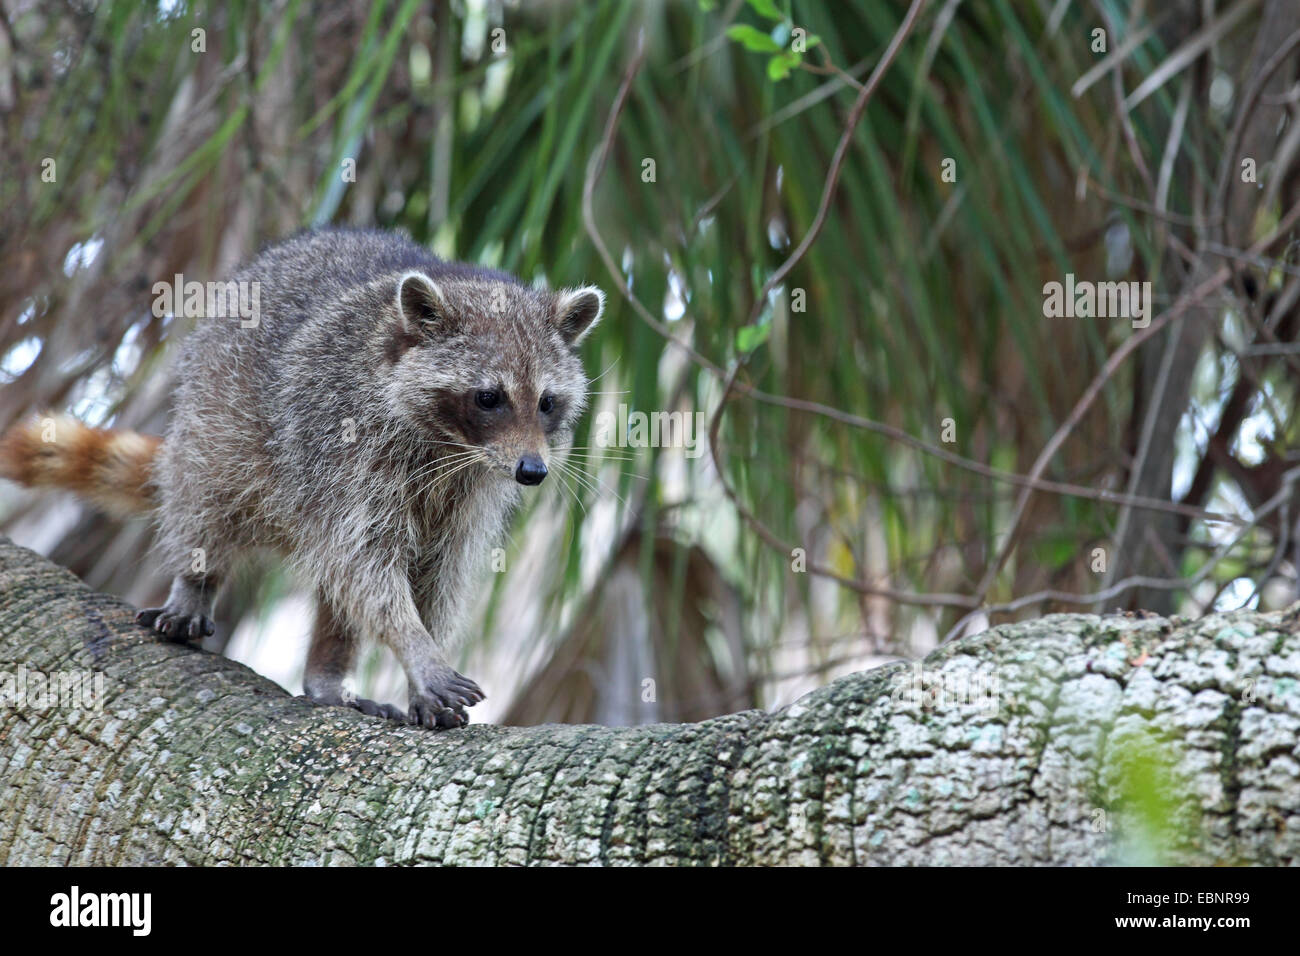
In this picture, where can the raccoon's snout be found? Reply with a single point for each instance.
(530, 470)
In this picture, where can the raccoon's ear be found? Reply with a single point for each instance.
(420, 303)
(577, 311)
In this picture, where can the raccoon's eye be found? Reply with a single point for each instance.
(488, 398)
(547, 404)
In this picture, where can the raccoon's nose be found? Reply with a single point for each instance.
(530, 470)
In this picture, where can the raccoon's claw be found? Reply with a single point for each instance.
(425, 713)
(175, 626)
(443, 700)
(375, 709)
(451, 719)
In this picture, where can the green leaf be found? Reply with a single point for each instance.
(708, 6)
(767, 8)
(750, 337)
(753, 39)
(779, 67)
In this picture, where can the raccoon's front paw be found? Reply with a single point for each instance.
(175, 625)
(441, 702)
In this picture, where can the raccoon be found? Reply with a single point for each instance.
(375, 425)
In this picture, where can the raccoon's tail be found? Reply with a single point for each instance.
(111, 468)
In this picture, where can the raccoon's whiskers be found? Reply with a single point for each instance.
(564, 484)
(456, 444)
(561, 471)
(602, 448)
(592, 381)
(444, 476)
(438, 463)
(597, 458)
(585, 481)
(602, 484)
(593, 456)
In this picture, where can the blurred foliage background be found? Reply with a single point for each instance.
(1104, 139)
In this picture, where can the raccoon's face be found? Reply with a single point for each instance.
(489, 368)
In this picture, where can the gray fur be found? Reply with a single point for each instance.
(390, 531)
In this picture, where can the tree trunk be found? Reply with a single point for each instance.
(1100, 739)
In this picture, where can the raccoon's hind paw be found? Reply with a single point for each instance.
(175, 626)
(442, 702)
(373, 708)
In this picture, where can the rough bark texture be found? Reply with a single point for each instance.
(1175, 738)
